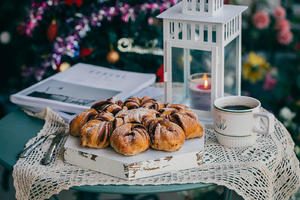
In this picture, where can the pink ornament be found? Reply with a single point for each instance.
(285, 37)
(283, 25)
(270, 82)
(261, 20)
(150, 21)
(279, 13)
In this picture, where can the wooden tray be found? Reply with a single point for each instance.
(148, 163)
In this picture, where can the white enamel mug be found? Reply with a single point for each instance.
(239, 128)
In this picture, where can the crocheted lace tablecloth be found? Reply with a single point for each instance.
(267, 170)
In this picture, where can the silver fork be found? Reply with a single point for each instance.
(42, 139)
(58, 139)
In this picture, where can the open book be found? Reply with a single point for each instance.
(77, 88)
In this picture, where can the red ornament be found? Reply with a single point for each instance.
(84, 51)
(52, 31)
(160, 73)
(70, 2)
(78, 2)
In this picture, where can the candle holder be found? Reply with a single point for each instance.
(203, 26)
(200, 91)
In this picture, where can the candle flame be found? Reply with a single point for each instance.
(205, 81)
(205, 84)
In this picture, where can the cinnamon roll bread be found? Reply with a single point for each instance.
(130, 139)
(77, 123)
(96, 133)
(109, 105)
(164, 134)
(132, 102)
(148, 102)
(135, 125)
(188, 121)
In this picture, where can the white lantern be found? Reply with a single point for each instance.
(197, 34)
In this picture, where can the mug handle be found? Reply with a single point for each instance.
(270, 118)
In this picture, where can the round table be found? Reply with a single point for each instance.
(17, 128)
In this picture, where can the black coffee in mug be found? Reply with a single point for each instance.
(237, 107)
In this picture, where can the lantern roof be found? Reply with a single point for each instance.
(227, 13)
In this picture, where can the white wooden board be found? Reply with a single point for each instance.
(148, 163)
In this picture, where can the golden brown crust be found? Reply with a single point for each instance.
(164, 134)
(95, 134)
(77, 123)
(130, 139)
(188, 121)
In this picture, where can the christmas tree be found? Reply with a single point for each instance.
(117, 34)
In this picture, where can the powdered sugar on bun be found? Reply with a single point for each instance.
(136, 115)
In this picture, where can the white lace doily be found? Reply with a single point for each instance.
(268, 170)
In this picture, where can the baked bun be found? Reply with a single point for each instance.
(148, 102)
(109, 105)
(164, 134)
(136, 125)
(77, 123)
(132, 102)
(96, 133)
(188, 121)
(130, 139)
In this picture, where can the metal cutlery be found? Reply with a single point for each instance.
(58, 139)
(42, 139)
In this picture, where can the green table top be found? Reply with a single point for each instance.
(17, 128)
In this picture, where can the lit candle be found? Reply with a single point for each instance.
(200, 91)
